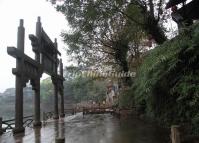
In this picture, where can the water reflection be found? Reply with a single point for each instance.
(19, 138)
(94, 129)
(56, 129)
(62, 128)
(37, 133)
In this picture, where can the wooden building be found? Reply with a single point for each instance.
(187, 13)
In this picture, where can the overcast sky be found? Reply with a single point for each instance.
(10, 13)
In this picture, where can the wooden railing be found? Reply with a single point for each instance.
(70, 111)
(49, 115)
(97, 110)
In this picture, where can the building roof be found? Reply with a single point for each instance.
(190, 10)
(187, 13)
(173, 3)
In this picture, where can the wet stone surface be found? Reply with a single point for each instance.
(91, 129)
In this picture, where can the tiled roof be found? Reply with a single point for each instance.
(173, 3)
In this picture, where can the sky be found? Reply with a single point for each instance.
(11, 11)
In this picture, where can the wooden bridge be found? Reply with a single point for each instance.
(97, 110)
(101, 110)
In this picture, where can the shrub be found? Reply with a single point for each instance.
(168, 80)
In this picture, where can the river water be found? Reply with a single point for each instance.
(103, 128)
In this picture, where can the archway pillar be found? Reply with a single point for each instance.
(62, 104)
(56, 112)
(36, 87)
(18, 71)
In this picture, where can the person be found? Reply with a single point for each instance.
(111, 95)
(107, 98)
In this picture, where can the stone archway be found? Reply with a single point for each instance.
(46, 60)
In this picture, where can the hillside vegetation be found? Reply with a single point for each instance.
(167, 82)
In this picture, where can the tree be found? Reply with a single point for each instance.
(106, 32)
(167, 80)
(46, 88)
(82, 88)
(152, 12)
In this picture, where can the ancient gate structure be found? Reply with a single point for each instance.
(46, 60)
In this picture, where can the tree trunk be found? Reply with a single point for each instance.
(155, 30)
(126, 80)
(121, 49)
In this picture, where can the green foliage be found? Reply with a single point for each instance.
(108, 32)
(46, 88)
(168, 80)
(79, 87)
